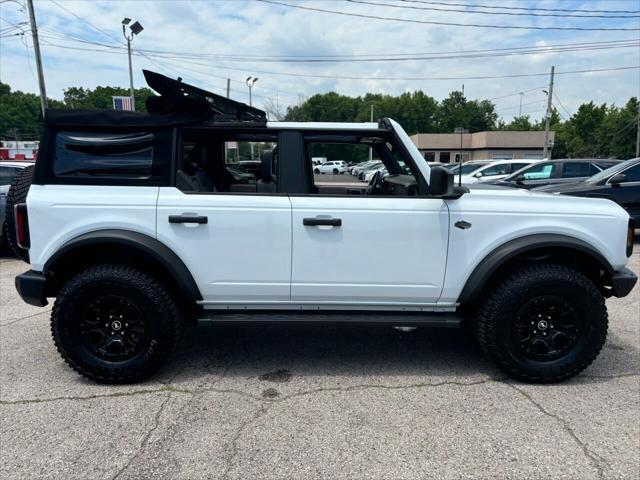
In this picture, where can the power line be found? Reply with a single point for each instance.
(449, 24)
(516, 93)
(472, 5)
(560, 103)
(517, 14)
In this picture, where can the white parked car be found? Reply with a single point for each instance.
(495, 170)
(134, 232)
(332, 166)
(369, 175)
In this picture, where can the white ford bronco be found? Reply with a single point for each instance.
(137, 223)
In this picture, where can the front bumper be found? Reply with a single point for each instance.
(31, 288)
(622, 282)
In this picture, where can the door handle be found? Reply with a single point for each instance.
(188, 219)
(331, 222)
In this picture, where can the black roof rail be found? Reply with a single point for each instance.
(186, 100)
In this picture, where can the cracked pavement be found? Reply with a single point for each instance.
(281, 402)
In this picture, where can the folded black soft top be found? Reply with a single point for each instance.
(177, 104)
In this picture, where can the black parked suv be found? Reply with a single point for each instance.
(553, 172)
(620, 183)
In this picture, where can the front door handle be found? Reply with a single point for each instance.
(188, 219)
(330, 222)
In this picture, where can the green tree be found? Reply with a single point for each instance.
(474, 115)
(101, 97)
(20, 114)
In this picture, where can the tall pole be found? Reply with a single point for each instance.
(133, 100)
(228, 87)
(36, 49)
(371, 149)
(638, 132)
(520, 110)
(547, 121)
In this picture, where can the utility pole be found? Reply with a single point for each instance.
(370, 148)
(520, 110)
(638, 132)
(251, 81)
(36, 49)
(228, 87)
(547, 121)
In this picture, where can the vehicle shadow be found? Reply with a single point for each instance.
(341, 350)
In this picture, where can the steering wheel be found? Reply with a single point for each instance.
(375, 184)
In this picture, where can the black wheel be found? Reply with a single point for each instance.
(542, 323)
(335, 171)
(316, 171)
(17, 194)
(115, 324)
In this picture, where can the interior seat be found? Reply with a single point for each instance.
(267, 181)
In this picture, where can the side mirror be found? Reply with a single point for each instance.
(477, 175)
(441, 184)
(617, 179)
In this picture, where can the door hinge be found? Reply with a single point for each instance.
(462, 224)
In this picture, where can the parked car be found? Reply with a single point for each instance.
(371, 167)
(332, 166)
(8, 171)
(370, 173)
(467, 167)
(355, 171)
(496, 170)
(553, 172)
(620, 183)
(132, 246)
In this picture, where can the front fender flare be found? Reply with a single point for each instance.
(511, 249)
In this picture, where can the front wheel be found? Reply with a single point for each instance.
(115, 324)
(542, 323)
(316, 171)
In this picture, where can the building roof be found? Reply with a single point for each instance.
(481, 140)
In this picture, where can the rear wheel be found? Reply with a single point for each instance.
(335, 171)
(17, 194)
(316, 171)
(542, 323)
(115, 324)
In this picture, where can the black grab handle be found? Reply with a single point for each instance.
(332, 222)
(187, 219)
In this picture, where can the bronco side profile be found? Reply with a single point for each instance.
(137, 223)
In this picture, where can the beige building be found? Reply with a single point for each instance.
(445, 147)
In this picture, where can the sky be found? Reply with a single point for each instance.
(206, 42)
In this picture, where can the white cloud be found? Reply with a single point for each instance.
(244, 27)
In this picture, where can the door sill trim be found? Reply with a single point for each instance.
(333, 306)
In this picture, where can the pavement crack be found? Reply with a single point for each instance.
(16, 320)
(131, 393)
(593, 458)
(145, 439)
(618, 375)
(264, 408)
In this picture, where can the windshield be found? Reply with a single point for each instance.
(467, 168)
(598, 177)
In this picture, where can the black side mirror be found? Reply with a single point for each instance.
(441, 184)
(617, 179)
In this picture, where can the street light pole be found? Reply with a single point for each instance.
(36, 49)
(251, 81)
(135, 28)
(370, 148)
(547, 121)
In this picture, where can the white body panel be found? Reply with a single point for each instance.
(59, 213)
(499, 215)
(243, 253)
(387, 251)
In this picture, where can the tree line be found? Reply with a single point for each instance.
(592, 131)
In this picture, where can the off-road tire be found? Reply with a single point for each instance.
(159, 309)
(496, 316)
(17, 194)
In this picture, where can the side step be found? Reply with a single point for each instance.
(432, 319)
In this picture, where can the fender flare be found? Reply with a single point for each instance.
(149, 245)
(511, 249)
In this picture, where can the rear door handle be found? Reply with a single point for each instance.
(331, 222)
(188, 219)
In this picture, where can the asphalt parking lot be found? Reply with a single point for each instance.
(315, 402)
